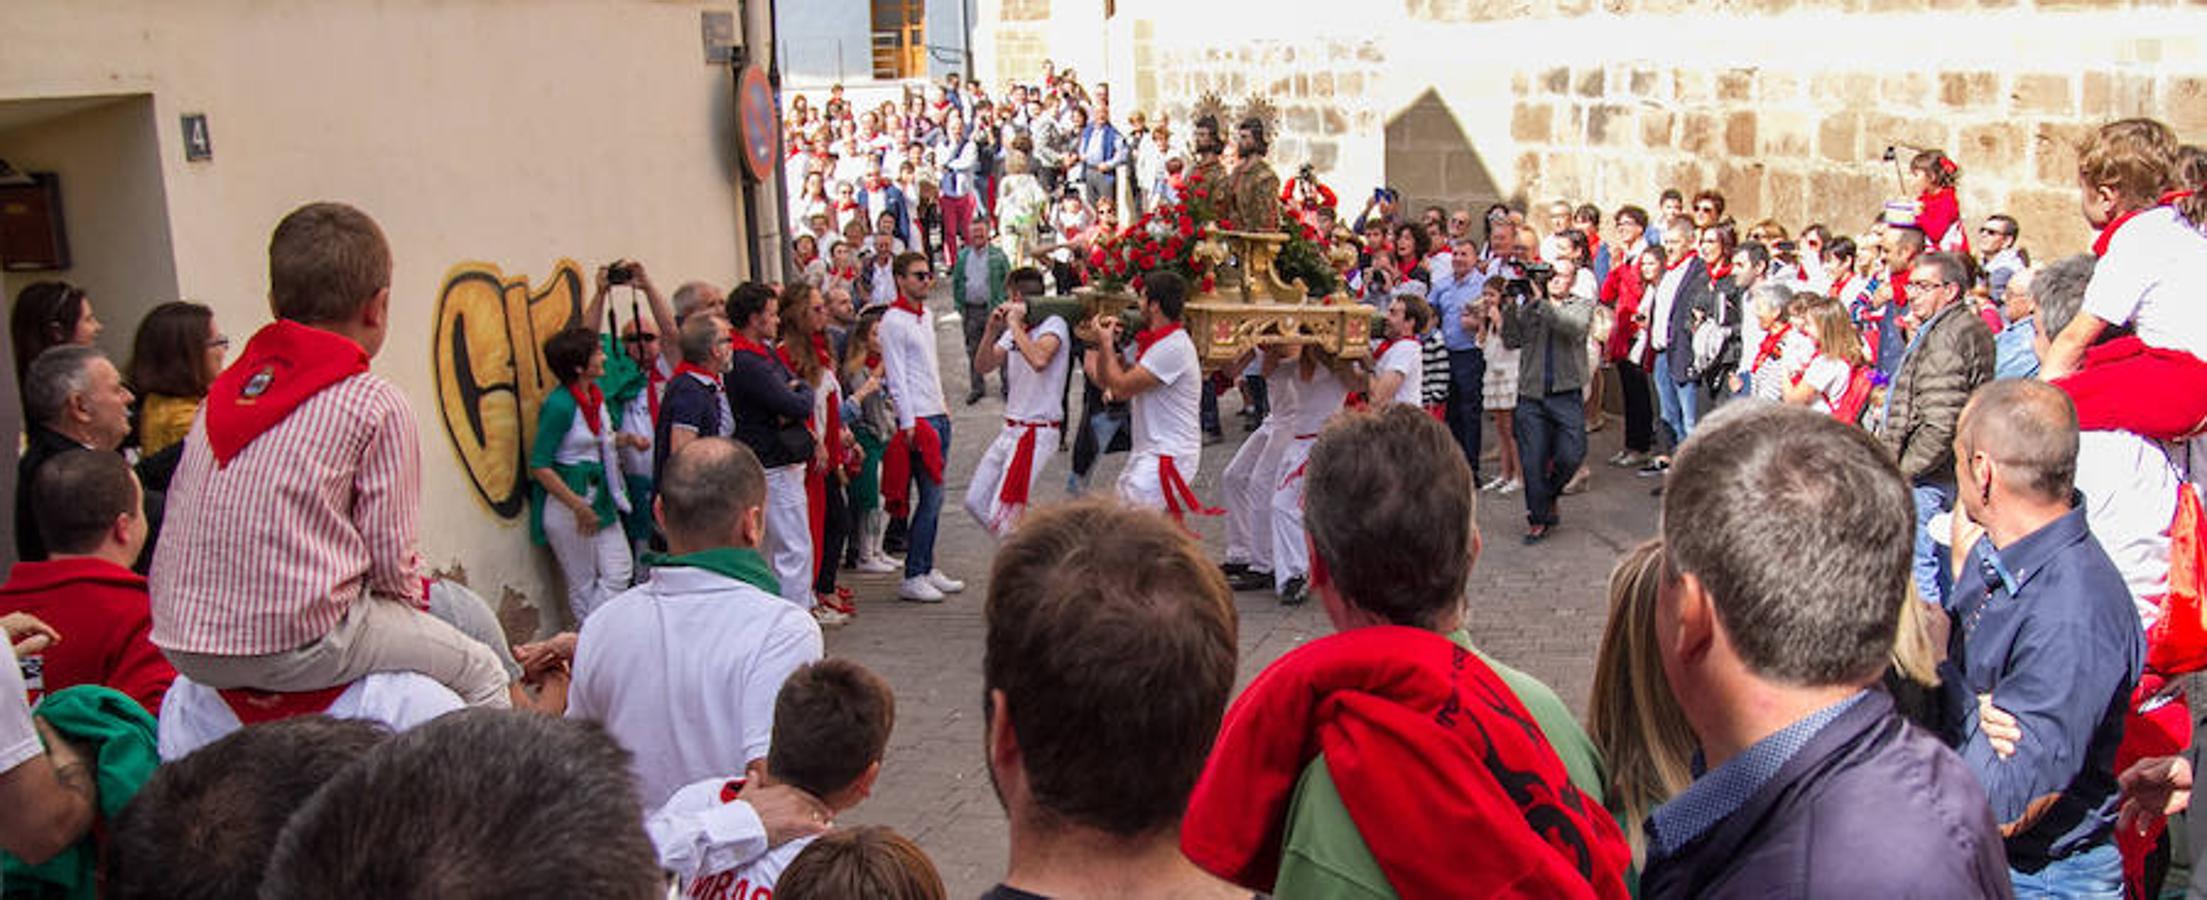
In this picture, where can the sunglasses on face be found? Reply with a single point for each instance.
(1993, 232)
(921, 275)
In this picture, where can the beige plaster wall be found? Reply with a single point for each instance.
(503, 133)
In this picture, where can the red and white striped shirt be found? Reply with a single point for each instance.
(266, 554)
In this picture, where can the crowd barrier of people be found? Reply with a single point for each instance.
(1927, 589)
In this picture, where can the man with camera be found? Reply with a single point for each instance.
(639, 363)
(1542, 317)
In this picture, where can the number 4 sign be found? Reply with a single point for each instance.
(198, 147)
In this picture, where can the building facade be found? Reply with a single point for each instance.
(507, 149)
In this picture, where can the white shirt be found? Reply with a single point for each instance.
(1037, 395)
(2155, 274)
(1166, 417)
(884, 284)
(1317, 399)
(1282, 392)
(683, 670)
(717, 847)
(2129, 490)
(1829, 376)
(909, 369)
(636, 418)
(193, 715)
(1407, 357)
(1666, 293)
(19, 741)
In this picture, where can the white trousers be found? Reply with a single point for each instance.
(1290, 549)
(984, 500)
(597, 565)
(1247, 484)
(1139, 484)
(789, 533)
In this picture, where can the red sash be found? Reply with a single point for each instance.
(283, 365)
(1180, 499)
(1020, 472)
(257, 707)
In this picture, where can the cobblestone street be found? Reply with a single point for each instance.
(1537, 608)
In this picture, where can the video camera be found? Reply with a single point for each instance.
(620, 272)
(1530, 282)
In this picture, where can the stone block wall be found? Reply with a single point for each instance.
(1324, 89)
(1786, 106)
(1808, 146)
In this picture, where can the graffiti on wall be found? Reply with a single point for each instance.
(487, 353)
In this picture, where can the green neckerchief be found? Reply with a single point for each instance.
(740, 563)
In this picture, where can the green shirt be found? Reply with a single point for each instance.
(1325, 855)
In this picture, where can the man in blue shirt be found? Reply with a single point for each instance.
(2014, 349)
(2045, 633)
(1774, 619)
(1454, 292)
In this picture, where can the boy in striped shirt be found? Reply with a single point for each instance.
(289, 565)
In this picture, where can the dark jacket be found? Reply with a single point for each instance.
(1950, 359)
(766, 407)
(1694, 294)
(688, 402)
(42, 444)
(1870, 807)
(1543, 329)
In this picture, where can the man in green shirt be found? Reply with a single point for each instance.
(1389, 509)
(977, 284)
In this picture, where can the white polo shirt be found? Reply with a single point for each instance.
(911, 372)
(683, 670)
(2129, 490)
(1317, 399)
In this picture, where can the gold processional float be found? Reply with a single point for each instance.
(1247, 302)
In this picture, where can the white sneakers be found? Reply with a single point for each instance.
(929, 588)
(877, 565)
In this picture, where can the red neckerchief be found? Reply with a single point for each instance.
(259, 707)
(1682, 260)
(1386, 345)
(873, 360)
(589, 402)
(908, 305)
(690, 368)
(1839, 288)
(283, 365)
(1403, 719)
(1719, 273)
(2099, 247)
(742, 343)
(652, 382)
(1148, 336)
(1769, 348)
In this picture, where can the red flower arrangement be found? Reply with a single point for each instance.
(1161, 240)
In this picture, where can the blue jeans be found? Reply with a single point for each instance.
(919, 544)
(1933, 574)
(1551, 442)
(1467, 377)
(1681, 400)
(2097, 872)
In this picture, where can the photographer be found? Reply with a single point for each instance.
(1543, 317)
(1304, 196)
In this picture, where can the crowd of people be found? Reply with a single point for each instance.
(1927, 589)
